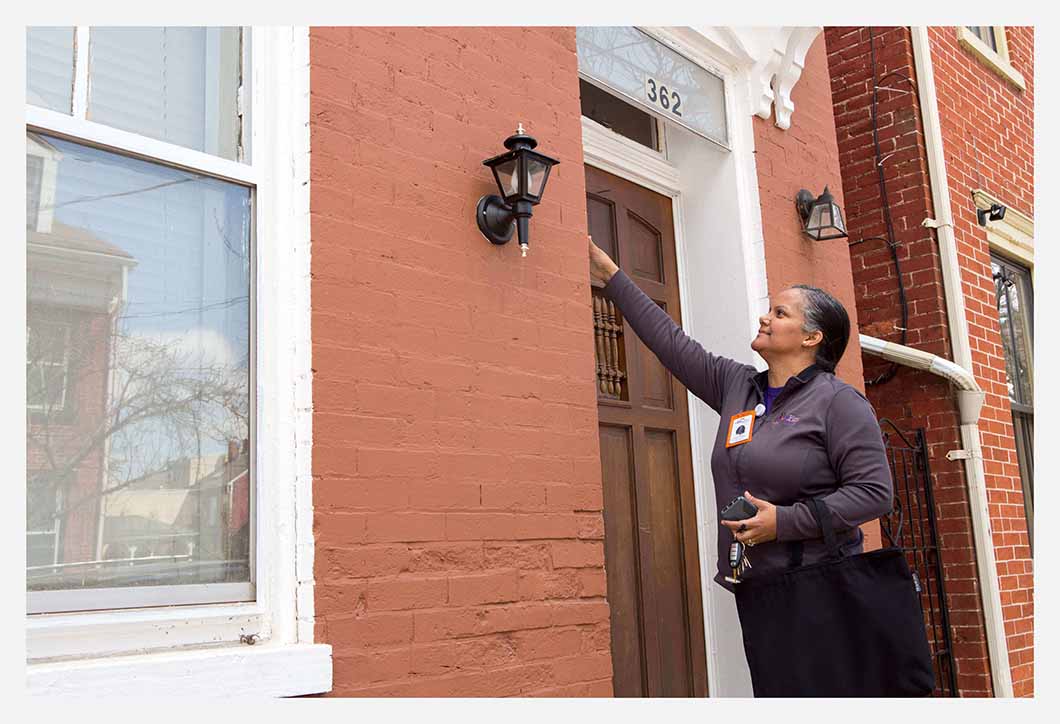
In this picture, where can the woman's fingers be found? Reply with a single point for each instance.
(601, 266)
(749, 525)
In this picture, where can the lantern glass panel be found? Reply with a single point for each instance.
(819, 217)
(507, 177)
(837, 219)
(536, 174)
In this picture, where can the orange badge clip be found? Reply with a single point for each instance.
(741, 426)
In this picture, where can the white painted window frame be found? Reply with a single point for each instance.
(997, 60)
(197, 650)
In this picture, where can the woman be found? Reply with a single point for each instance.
(811, 435)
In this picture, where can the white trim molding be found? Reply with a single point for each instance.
(133, 144)
(997, 60)
(247, 672)
(611, 152)
(197, 650)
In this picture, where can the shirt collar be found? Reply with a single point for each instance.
(761, 379)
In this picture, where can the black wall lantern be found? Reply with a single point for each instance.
(521, 175)
(821, 216)
(996, 212)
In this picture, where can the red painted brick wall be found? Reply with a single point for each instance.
(917, 399)
(456, 464)
(806, 156)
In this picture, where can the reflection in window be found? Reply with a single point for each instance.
(1015, 313)
(46, 365)
(138, 282)
(175, 84)
(986, 34)
(50, 68)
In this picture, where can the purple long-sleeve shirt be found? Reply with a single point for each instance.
(820, 438)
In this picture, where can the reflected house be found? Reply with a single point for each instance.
(76, 287)
(194, 509)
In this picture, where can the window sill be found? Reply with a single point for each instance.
(231, 672)
(971, 42)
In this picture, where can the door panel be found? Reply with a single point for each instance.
(656, 380)
(645, 245)
(620, 527)
(668, 559)
(650, 541)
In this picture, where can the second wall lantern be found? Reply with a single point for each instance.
(521, 175)
(822, 218)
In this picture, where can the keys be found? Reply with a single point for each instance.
(739, 561)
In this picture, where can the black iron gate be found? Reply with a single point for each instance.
(911, 526)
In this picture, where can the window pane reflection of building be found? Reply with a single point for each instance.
(1015, 306)
(138, 443)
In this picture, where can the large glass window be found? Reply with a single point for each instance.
(138, 359)
(1015, 307)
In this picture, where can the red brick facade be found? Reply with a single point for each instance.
(982, 118)
(457, 483)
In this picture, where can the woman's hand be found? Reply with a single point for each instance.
(601, 267)
(762, 528)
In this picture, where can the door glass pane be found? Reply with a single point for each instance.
(138, 396)
(50, 68)
(174, 84)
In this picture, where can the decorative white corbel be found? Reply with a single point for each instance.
(798, 44)
(760, 51)
(774, 59)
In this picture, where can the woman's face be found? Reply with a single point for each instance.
(780, 329)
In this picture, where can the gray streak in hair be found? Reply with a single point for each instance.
(825, 313)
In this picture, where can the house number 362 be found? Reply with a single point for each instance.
(663, 97)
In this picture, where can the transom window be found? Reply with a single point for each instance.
(617, 115)
(139, 305)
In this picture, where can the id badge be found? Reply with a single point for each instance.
(741, 425)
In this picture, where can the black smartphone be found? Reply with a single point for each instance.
(739, 509)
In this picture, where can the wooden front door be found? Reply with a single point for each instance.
(650, 542)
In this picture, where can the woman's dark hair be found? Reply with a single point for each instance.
(824, 312)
